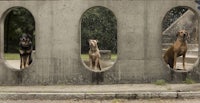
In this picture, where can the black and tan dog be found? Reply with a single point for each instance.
(179, 48)
(94, 55)
(25, 50)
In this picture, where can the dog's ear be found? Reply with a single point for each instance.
(88, 40)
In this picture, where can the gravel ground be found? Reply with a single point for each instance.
(105, 101)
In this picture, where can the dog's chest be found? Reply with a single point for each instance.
(94, 55)
(182, 50)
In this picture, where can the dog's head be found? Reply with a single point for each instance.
(25, 40)
(183, 34)
(93, 44)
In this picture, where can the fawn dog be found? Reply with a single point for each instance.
(25, 50)
(94, 55)
(179, 48)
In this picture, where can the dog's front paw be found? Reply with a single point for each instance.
(27, 66)
(95, 68)
(184, 68)
(22, 67)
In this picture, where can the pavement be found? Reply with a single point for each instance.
(99, 92)
(106, 101)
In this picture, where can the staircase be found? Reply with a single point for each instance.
(191, 55)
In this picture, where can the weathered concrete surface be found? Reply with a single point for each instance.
(107, 101)
(57, 59)
(100, 92)
(8, 76)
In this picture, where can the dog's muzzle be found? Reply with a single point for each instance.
(186, 37)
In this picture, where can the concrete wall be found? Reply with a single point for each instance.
(57, 58)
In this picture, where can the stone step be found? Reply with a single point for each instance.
(179, 75)
(189, 52)
(188, 66)
(188, 59)
(190, 46)
(167, 40)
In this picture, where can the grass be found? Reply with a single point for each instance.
(160, 82)
(189, 81)
(86, 57)
(113, 56)
(15, 56)
(11, 56)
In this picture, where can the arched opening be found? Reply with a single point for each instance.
(19, 37)
(178, 19)
(99, 24)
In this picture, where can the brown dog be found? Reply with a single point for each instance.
(179, 48)
(94, 55)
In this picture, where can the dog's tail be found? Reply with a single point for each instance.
(99, 66)
(30, 60)
(171, 63)
(168, 61)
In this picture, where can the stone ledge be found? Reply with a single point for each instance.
(99, 96)
(189, 95)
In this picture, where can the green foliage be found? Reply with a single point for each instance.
(99, 23)
(19, 20)
(189, 81)
(84, 56)
(160, 82)
(116, 101)
(11, 56)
